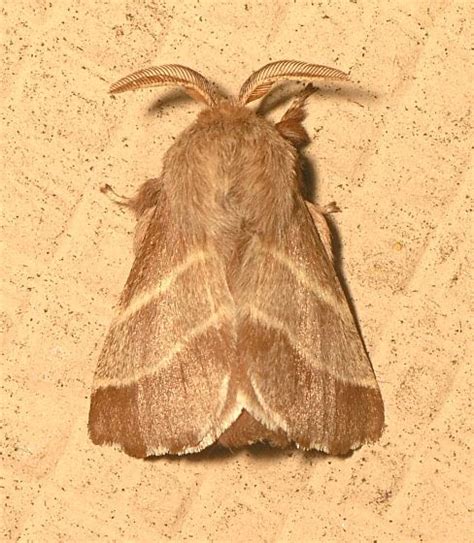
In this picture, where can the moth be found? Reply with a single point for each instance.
(232, 327)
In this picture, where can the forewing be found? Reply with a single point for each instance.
(162, 382)
(308, 369)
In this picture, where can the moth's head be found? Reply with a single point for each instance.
(256, 86)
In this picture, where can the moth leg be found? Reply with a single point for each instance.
(332, 207)
(318, 214)
(114, 197)
(145, 198)
(142, 205)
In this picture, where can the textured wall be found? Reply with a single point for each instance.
(391, 149)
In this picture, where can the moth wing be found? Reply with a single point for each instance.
(308, 372)
(162, 383)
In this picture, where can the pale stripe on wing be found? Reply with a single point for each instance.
(326, 294)
(144, 298)
(225, 313)
(257, 315)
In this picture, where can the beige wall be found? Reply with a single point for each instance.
(392, 150)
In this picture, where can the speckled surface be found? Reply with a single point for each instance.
(392, 150)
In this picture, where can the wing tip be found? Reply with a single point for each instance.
(114, 420)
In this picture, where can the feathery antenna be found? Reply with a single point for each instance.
(196, 85)
(261, 81)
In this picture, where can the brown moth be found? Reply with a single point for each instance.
(232, 327)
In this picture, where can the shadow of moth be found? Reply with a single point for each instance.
(232, 327)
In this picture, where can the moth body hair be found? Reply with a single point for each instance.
(232, 327)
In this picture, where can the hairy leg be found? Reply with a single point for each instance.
(145, 198)
(113, 196)
(142, 205)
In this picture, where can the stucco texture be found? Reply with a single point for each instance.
(391, 148)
